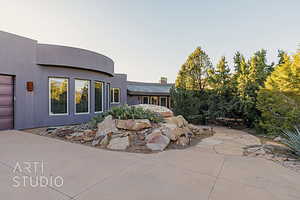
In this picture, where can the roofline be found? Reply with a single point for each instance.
(148, 93)
(149, 83)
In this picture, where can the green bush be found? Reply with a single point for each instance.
(200, 107)
(127, 112)
(292, 139)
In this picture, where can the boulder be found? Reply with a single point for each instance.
(108, 126)
(196, 130)
(183, 141)
(106, 140)
(133, 125)
(173, 132)
(153, 134)
(118, 143)
(158, 142)
(179, 121)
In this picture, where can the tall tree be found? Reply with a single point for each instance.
(220, 77)
(193, 75)
(279, 99)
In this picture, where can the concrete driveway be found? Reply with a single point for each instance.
(212, 170)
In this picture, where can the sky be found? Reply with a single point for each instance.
(148, 39)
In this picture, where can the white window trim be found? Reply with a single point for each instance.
(49, 96)
(102, 83)
(89, 99)
(166, 101)
(113, 97)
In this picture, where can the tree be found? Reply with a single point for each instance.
(250, 78)
(281, 55)
(193, 74)
(220, 77)
(237, 59)
(279, 99)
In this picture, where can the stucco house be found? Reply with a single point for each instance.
(50, 85)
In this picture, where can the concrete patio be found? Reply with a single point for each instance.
(213, 170)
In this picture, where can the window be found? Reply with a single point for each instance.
(154, 100)
(82, 99)
(98, 96)
(145, 100)
(58, 96)
(115, 95)
(163, 101)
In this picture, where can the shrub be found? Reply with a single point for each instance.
(127, 112)
(200, 107)
(292, 139)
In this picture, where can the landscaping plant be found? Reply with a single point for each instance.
(292, 139)
(127, 112)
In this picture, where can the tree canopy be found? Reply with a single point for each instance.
(193, 74)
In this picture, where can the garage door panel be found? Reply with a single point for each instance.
(6, 89)
(6, 101)
(6, 123)
(6, 80)
(6, 111)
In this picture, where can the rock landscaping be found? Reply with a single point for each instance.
(134, 135)
(275, 152)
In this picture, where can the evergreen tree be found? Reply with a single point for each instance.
(220, 77)
(281, 55)
(279, 99)
(193, 75)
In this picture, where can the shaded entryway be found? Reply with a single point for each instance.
(6, 102)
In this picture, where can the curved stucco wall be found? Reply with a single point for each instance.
(73, 57)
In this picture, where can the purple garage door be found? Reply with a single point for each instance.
(6, 102)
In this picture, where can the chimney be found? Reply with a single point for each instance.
(163, 80)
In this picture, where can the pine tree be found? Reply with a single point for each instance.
(279, 99)
(193, 75)
(220, 77)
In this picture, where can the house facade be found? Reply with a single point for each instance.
(51, 85)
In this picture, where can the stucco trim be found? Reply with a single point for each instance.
(55, 55)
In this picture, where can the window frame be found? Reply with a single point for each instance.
(89, 97)
(49, 96)
(166, 101)
(113, 96)
(103, 86)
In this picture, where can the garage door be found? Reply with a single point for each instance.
(6, 102)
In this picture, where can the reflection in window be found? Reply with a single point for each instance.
(58, 96)
(82, 99)
(154, 100)
(98, 96)
(115, 95)
(145, 100)
(163, 101)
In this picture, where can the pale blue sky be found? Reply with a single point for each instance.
(148, 39)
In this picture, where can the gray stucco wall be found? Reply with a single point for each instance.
(19, 57)
(120, 81)
(132, 100)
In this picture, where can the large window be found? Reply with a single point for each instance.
(82, 96)
(115, 95)
(98, 96)
(58, 96)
